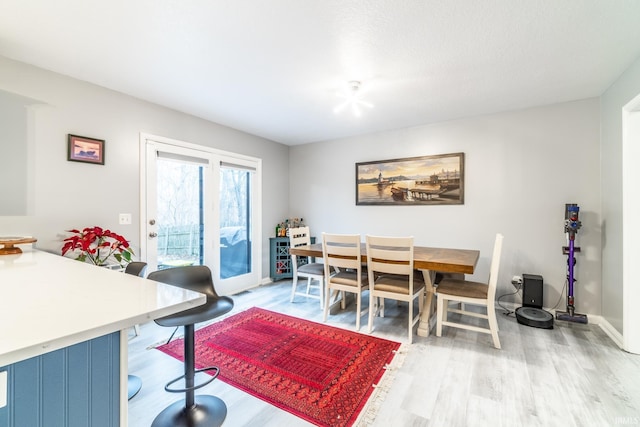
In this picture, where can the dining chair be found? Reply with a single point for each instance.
(134, 382)
(136, 268)
(391, 275)
(341, 253)
(300, 236)
(472, 293)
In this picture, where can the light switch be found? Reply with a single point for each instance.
(125, 219)
(3, 389)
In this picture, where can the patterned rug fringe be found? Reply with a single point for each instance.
(370, 411)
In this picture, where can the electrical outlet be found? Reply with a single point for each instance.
(124, 219)
(516, 281)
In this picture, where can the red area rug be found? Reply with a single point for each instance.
(320, 373)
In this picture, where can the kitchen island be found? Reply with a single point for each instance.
(63, 337)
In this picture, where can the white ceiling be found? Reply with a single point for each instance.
(273, 67)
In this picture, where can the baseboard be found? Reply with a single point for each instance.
(611, 332)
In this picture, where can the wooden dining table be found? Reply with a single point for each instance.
(426, 259)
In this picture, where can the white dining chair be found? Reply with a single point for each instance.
(341, 253)
(472, 293)
(391, 275)
(312, 271)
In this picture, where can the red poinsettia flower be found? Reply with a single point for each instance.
(98, 245)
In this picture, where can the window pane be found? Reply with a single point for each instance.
(180, 221)
(235, 224)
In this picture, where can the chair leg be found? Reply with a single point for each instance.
(293, 287)
(326, 306)
(172, 334)
(493, 325)
(439, 315)
(372, 310)
(358, 310)
(410, 321)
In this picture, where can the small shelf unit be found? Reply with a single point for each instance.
(279, 259)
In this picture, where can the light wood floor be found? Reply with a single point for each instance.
(573, 375)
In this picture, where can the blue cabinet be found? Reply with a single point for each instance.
(280, 260)
(76, 386)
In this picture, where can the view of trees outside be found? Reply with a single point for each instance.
(180, 229)
(178, 193)
(178, 213)
(234, 202)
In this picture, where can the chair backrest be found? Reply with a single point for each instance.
(390, 255)
(495, 267)
(193, 277)
(342, 251)
(136, 268)
(299, 236)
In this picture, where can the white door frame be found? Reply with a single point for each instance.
(212, 250)
(630, 225)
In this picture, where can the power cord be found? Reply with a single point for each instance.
(561, 293)
(508, 312)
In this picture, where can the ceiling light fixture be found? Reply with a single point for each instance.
(352, 99)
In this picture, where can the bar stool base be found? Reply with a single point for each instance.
(134, 384)
(209, 411)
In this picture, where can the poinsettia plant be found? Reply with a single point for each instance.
(98, 245)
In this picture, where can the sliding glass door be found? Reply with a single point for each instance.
(200, 208)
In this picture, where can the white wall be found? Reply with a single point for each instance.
(617, 96)
(521, 168)
(72, 195)
(13, 162)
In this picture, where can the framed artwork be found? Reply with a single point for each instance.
(427, 180)
(83, 149)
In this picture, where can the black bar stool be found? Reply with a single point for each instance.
(201, 410)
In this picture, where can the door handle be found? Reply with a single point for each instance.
(153, 234)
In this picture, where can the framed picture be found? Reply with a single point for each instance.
(428, 180)
(87, 150)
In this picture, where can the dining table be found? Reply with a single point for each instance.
(426, 259)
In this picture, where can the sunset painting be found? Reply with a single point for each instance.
(428, 180)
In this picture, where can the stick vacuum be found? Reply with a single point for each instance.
(571, 226)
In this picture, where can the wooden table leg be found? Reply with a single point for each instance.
(427, 311)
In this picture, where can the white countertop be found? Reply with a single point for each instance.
(48, 302)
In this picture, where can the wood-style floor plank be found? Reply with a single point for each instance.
(573, 375)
